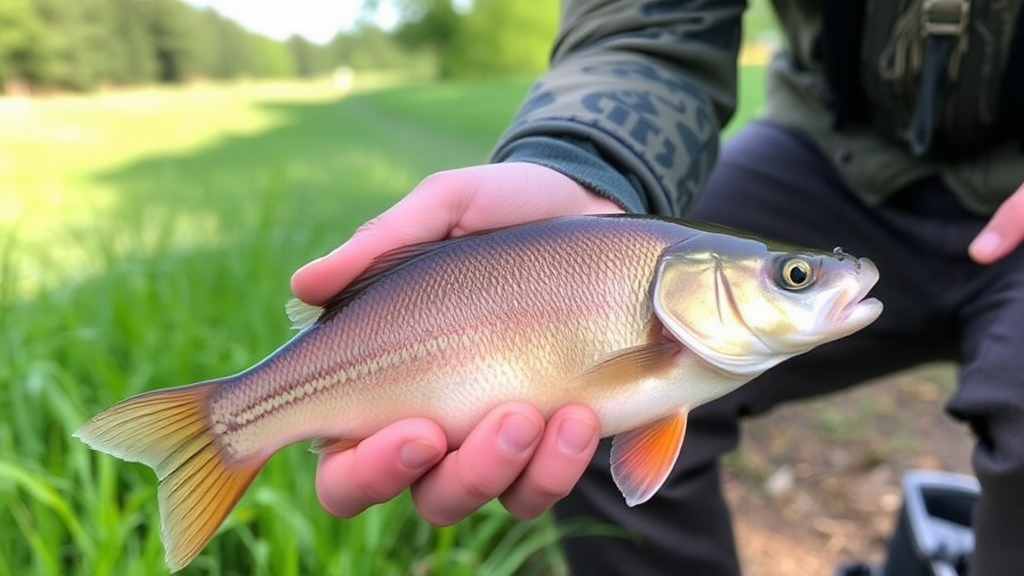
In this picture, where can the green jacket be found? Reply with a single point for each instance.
(638, 91)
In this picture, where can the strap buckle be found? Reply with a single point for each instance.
(944, 17)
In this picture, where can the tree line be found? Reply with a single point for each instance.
(79, 44)
(83, 44)
(491, 38)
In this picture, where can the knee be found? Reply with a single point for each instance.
(997, 422)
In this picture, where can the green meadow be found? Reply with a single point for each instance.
(146, 240)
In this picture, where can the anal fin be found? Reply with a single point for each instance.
(642, 459)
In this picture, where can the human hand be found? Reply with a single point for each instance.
(1003, 233)
(445, 204)
(512, 455)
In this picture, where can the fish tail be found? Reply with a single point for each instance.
(169, 430)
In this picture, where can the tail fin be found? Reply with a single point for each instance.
(169, 431)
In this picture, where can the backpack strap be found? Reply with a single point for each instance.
(904, 67)
(943, 23)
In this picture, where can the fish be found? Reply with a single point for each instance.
(640, 318)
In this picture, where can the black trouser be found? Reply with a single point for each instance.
(939, 305)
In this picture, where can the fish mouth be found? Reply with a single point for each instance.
(859, 311)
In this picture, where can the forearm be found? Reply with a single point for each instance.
(640, 89)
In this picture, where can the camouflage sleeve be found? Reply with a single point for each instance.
(642, 88)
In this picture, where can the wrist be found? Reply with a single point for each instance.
(580, 162)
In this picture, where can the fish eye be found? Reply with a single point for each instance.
(797, 274)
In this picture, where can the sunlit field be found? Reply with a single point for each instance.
(146, 240)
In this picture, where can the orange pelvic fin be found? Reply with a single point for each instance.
(169, 431)
(642, 458)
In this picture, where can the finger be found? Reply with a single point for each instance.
(1003, 233)
(566, 449)
(379, 468)
(427, 213)
(487, 463)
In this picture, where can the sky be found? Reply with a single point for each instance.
(317, 20)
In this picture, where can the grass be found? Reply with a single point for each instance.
(146, 240)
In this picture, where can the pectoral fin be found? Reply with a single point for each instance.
(642, 459)
(631, 365)
(328, 445)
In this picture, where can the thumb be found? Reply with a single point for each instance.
(452, 203)
(428, 213)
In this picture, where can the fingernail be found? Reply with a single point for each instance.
(517, 433)
(986, 244)
(417, 454)
(575, 435)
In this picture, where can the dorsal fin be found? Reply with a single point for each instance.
(301, 314)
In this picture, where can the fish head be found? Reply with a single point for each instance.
(744, 304)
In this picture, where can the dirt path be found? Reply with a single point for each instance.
(817, 484)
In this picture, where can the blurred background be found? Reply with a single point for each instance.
(165, 165)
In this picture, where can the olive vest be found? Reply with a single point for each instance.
(944, 76)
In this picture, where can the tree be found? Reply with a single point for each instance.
(504, 38)
(434, 24)
(493, 38)
(133, 56)
(369, 47)
(308, 59)
(79, 44)
(170, 30)
(24, 50)
(272, 59)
